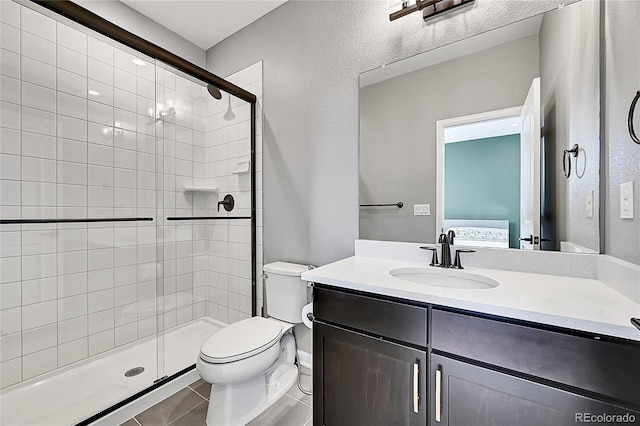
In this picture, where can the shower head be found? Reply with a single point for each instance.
(214, 91)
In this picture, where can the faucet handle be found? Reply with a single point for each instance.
(434, 258)
(456, 263)
(451, 235)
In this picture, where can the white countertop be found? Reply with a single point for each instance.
(575, 303)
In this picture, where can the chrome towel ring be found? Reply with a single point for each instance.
(566, 165)
(632, 131)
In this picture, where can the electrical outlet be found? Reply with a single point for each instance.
(589, 205)
(626, 200)
(422, 209)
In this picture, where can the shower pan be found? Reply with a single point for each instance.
(115, 263)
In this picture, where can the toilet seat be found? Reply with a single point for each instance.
(241, 340)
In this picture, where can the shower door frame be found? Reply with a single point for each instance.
(94, 22)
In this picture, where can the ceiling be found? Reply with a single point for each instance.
(204, 22)
(517, 30)
(483, 129)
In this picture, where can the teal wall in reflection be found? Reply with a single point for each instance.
(482, 181)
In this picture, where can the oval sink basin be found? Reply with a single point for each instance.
(444, 278)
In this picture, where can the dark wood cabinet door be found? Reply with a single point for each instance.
(602, 365)
(363, 380)
(464, 394)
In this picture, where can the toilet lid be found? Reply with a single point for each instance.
(241, 340)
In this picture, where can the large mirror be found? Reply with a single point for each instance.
(472, 137)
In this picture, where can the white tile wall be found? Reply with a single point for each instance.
(183, 243)
(68, 291)
(227, 143)
(79, 137)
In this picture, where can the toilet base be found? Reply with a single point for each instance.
(237, 404)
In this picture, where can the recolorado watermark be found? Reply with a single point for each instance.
(604, 418)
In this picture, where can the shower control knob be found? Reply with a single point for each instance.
(228, 202)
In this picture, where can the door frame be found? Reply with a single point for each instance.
(440, 143)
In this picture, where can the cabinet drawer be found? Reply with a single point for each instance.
(606, 367)
(384, 318)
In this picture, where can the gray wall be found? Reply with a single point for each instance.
(313, 52)
(569, 71)
(398, 130)
(131, 20)
(622, 160)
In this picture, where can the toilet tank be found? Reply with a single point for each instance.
(286, 292)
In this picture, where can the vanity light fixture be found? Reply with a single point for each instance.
(429, 8)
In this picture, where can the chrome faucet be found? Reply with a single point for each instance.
(445, 250)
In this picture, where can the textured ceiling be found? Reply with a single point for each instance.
(204, 22)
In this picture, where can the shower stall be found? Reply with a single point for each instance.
(130, 214)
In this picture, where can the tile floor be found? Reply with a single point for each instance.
(188, 407)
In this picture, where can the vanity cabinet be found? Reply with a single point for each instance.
(373, 355)
(487, 371)
(361, 375)
(366, 380)
(594, 364)
(466, 394)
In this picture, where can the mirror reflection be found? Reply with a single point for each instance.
(472, 137)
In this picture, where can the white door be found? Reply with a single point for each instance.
(530, 169)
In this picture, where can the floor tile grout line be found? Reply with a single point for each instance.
(187, 387)
(181, 416)
(205, 400)
(300, 401)
(198, 393)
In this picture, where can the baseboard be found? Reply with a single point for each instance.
(305, 359)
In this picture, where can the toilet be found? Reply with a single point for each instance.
(251, 363)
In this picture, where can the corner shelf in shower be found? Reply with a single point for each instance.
(243, 167)
(205, 189)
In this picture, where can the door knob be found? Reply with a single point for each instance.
(529, 239)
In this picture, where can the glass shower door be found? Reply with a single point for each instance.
(206, 255)
(78, 231)
(184, 193)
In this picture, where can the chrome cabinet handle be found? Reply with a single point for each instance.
(438, 395)
(416, 373)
